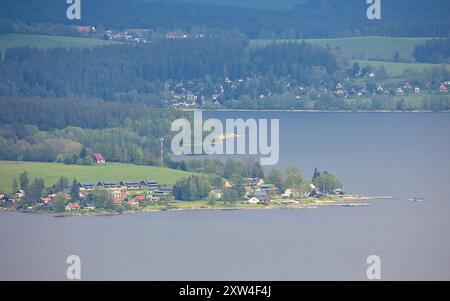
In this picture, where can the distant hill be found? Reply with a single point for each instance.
(308, 19)
(259, 4)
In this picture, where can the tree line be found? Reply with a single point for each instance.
(70, 130)
(215, 173)
(434, 51)
(108, 72)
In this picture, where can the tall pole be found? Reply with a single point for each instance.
(162, 150)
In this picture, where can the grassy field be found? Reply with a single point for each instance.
(377, 48)
(42, 41)
(50, 172)
(394, 70)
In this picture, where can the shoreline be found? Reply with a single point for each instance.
(312, 111)
(346, 201)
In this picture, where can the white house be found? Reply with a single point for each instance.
(291, 192)
(216, 193)
(227, 184)
(253, 201)
(20, 194)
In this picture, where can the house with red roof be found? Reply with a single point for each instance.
(86, 29)
(98, 158)
(72, 206)
(133, 202)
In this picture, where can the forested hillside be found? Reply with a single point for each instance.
(70, 130)
(107, 72)
(320, 18)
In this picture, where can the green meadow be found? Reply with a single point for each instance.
(370, 47)
(371, 50)
(43, 41)
(395, 70)
(50, 172)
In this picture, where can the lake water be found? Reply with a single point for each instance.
(400, 154)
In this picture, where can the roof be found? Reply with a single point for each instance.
(98, 157)
(130, 182)
(165, 188)
(105, 183)
(73, 205)
(266, 185)
(149, 182)
(84, 184)
(260, 195)
(85, 28)
(140, 198)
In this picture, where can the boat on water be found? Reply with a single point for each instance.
(416, 200)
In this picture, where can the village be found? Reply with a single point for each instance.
(192, 94)
(141, 195)
(360, 81)
(135, 35)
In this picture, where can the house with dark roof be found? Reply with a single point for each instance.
(6, 201)
(87, 203)
(132, 185)
(338, 191)
(316, 194)
(44, 201)
(269, 188)
(98, 158)
(86, 186)
(149, 184)
(262, 197)
(164, 190)
(108, 185)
